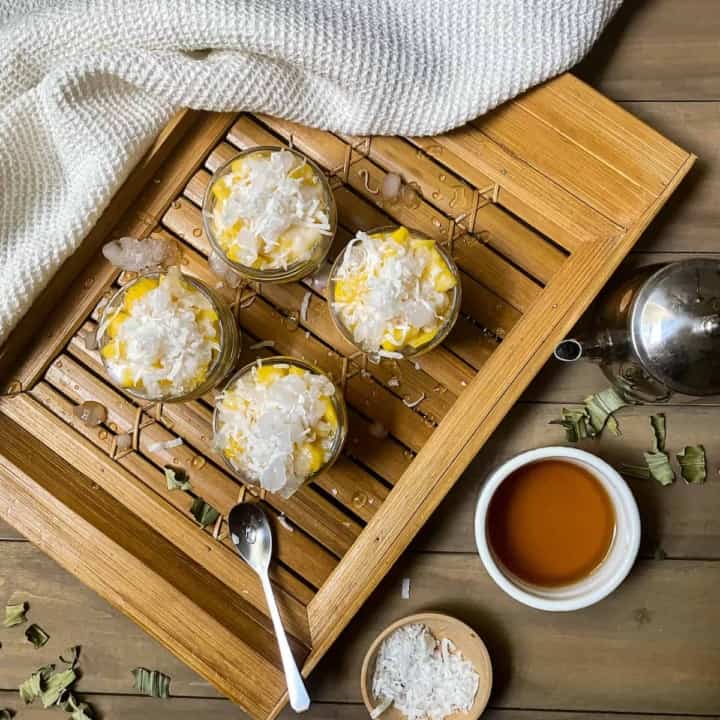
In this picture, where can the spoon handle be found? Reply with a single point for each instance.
(299, 698)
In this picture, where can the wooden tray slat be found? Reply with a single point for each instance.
(538, 203)
(458, 199)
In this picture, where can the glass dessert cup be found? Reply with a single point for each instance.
(418, 347)
(217, 193)
(272, 369)
(222, 358)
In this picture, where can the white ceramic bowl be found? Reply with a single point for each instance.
(611, 572)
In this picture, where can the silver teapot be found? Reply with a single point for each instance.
(657, 332)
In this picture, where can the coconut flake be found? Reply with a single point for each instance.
(220, 268)
(421, 676)
(304, 305)
(414, 403)
(284, 522)
(165, 445)
(394, 381)
(405, 589)
(390, 354)
(379, 709)
(263, 344)
(390, 188)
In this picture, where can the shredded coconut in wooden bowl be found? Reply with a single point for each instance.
(421, 676)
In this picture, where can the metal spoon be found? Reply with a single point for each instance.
(250, 531)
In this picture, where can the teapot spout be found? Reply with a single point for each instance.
(578, 348)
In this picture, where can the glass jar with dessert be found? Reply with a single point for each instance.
(167, 337)
(270, 214)
(279, 422)
(394, 292)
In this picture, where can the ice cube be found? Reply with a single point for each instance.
(129, 253)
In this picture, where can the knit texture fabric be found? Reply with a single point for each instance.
(86, 86)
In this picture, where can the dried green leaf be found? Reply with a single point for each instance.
(576, 424)
(659, 428)
(693, 464)
(36, 635)
(205, 514)
(74, 653)
(176, 479)
(151, 682)
(15, 614)
(6, 714)
(659, 466)
(55, 686)
(78, 710)
(641, 472)
(601, 406)
(35, 684)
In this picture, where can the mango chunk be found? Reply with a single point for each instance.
(137, 290)
(423, 337)
(294, 370)
(330, 414)
(444, 281)
(230, 233)
(233, 449)
(114, 325)
(267, 374)
(238, 166)
(220, 191)
(127, 380)
(305, 173)
(113, 350)
(315, 455)
(400, 235)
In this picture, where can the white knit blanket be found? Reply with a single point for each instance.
(85, 87)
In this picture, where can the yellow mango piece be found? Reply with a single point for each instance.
(330, 415)
(232, 403)
(127, 380)
(315, 455)
(113, 327)
(233, 449)
(347, 289)
(220, 191)
(296, 371)
(305, 173)
(397, 339)
(423, 337)
(207, 314)
(444, 281)
(422, 244)
(238, 167)
(137, 290)
(400, 235)
(230, 233)
(234, 254)
(113, 350)
(267, 374)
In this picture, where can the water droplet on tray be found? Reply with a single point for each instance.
(197, 232)
(113, 426)
(359, 499)
(176, 204)
(198, 461)
(103, 434)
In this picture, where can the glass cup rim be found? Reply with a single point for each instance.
(338, 401)
(206, 291)
(445, 328)
(298, 269)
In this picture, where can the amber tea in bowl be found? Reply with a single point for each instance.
(557, 528)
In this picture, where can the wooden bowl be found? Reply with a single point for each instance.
(466, 641)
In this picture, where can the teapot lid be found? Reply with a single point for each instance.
(675, 326)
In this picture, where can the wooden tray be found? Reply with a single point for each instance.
(539, 202)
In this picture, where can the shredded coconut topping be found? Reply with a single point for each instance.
(421, 676)
(277, 424)
(392, 291)
(270, 210)
(162, 337)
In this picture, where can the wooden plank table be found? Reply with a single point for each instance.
(653, 647)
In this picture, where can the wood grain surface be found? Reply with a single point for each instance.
(652, 649)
